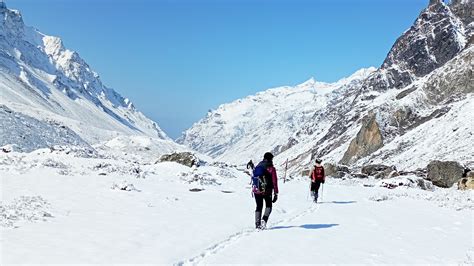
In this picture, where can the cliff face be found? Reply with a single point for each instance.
(437, 35)
(368, 140)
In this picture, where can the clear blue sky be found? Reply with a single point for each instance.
(177, 59)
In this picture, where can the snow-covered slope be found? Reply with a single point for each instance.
(269, 120)
(32, 134)
(415, 108)
(40, 78)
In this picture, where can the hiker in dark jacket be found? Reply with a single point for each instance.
(268, 172)
(317, 177)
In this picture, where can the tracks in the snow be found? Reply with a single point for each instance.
(235, 237)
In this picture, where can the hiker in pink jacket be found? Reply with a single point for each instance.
(265, 183)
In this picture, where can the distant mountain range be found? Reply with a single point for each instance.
(416, 107)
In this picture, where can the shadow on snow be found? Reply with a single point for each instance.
(305, 226)
(339, 202)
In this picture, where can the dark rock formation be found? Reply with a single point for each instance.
(379, 171)
(359, 175)
(433, 40)
(444, 173)
(336, 170)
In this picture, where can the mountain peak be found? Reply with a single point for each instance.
(11, 21)
(309, 83)
(39, 67)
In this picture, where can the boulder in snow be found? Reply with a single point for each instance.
(336, 170)
(444, 173)
(406, 181)
(379, 171)
(7, 148)
(359, 175)
(466, 183)
(184, 158)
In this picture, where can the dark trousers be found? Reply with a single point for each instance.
(259, 198)
(258, 211)
(315, 189)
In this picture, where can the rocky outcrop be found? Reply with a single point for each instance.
(335, 170)
(421, 172)
(368, 140)
(359, 175)
(379, 171)
(453, 81)
(435, 38)
(444, 173)
(184, 158)
(465, 11)
(305, 172)
(412, 181)
(466, 183)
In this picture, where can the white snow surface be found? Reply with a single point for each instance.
(56, 208)
(40, 78)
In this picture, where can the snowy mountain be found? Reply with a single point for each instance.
(40, 78)
(268, 120)
(58, 205)
(415, 108)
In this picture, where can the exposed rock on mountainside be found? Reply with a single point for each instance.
(435, 38)
(368, 140)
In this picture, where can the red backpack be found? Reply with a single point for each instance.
(318, 173)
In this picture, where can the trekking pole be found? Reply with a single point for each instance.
(286, 168)
(322, 192)
(309, 191)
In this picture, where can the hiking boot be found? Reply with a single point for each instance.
(258, 218)
(263, 225)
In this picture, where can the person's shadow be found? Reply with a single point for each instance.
(339, 202)
(305, 226)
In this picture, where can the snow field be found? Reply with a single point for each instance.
(162, 221)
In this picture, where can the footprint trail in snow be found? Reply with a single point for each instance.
(214, 249)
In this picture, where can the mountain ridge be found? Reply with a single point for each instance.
(41, 78)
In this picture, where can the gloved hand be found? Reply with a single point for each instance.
(275, 198)
(323, 181)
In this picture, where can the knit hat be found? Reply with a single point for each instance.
(268, 156)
